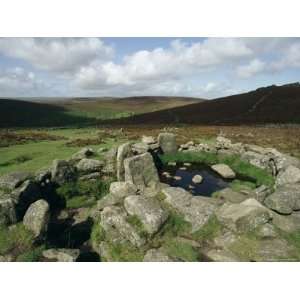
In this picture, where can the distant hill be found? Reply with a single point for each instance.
(53, 112)
(273, 104)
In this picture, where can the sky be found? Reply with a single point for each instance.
(197, 67)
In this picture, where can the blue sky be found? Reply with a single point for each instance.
(199, 67)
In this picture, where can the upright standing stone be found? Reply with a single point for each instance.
(141, 171)
(167, 142)
(124, 151)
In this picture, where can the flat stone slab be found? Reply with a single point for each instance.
(148, 210)
(224, 171)
(62, 255)
(13, 180)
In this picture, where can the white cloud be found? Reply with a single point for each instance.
(17, 81)
(254, 67)
(56, 54)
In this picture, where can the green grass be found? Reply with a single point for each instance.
(208, 231)
(15, 240)
(31, 255)
(97, 234)
(33, 156)
(83, 193)
(138, 225)
(243, 169)
(181, 250)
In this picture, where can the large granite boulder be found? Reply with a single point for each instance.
(148, 210)
(7, 209)
(195, 209)
(224, 171)
(285, 199)
(290, 175)
(110, 158)
(140, 148)
(229, 195)
(122, 189)
(13, 180)
(245, 216)
(124, 151)
(37, 217)
(62, 172)
(87, 165)
(167, 142)
(141, 171)
(83, 153)
(114, 222)
(61, 255)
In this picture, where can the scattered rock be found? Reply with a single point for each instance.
(167, 142)
(224, 171)
(245, 216)
(87, 166)
(288, 176)
(147, 210)
(108, 200)
(157, 255)
(285, 199)
(197, 179)
(221, 255)
(141, 171)
(187, 164)
(37, 217)
(148, 140)
(172, 163)
(140, 148)
(7, 210)
(13, 180)
(122, 189)
(62, 171)
(61, 255)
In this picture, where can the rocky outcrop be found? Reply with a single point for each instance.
(37, 217)
(157, 255)
(285, 199)
(124, 151)
(87, 166)
(167, 142)
(13, 180)
(110, 158)
(141, 171)
(122, 189)
(290, 175)
(62, 171)
(245, 216)
(83, 153)
(114, 221)
(7, 210)
(148, 210)
(224, 171)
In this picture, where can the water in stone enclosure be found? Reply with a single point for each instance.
(182, 176)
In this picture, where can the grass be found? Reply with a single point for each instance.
(138, 225)
(31, 255)
(208, 231)
(243, 169)
(16, 240)
(181, 250)
(83, 193)
(97, 234)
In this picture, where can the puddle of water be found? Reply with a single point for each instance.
(211, 183)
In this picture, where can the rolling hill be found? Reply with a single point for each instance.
(273, 104)
(53, 112)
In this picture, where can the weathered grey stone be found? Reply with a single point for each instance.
(62, 171)
(245, 216)
(148, 210)
(122, 189)
(290, 175)
(285, 199)
(195, 210)
(148, 140)
(267, 231)
(221, 255)
(141, 171)
(110, 158)
(287, 223)
(124, 151)
(167, 142)
(229, 195)
(37, 217)
(108, 200)
(7, 210)
(6, 258)
(62, 254)
(83, 153)
(114, 219)
(223, 143)
(225, 239)
(197, 179)
(224, 171)
(157, 255)
(140, 148)
(13, 180)
(91, 176)
(87, 166)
